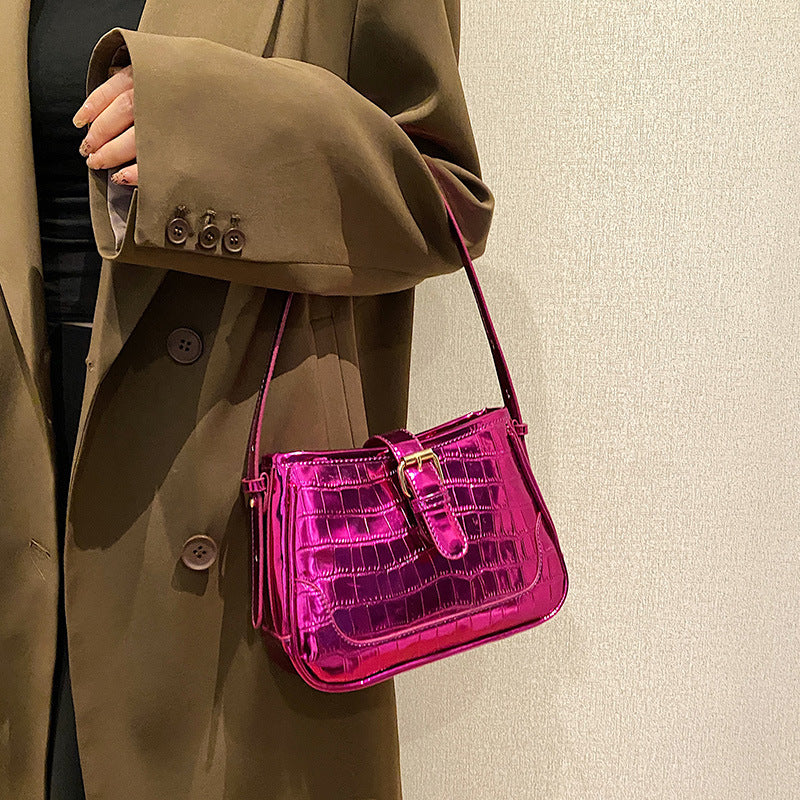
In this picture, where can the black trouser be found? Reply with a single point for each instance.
(69, 347)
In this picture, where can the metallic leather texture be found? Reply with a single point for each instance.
(371, 561)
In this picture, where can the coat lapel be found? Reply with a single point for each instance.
(125, 290)
(20, 251)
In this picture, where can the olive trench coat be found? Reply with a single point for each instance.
(328, 128)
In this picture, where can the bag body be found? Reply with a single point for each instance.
(371, 561)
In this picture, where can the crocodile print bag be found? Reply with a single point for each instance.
(372, 561)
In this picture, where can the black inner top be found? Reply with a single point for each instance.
(61, 36)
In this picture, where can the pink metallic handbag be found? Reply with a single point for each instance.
(372, 561)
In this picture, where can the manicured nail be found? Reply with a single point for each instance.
(85, 148)
(120, 177)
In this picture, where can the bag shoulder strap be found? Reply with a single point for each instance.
(500, 365)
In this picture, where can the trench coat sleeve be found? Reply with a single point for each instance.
(336, 183)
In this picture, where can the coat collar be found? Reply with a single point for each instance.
(245, 24)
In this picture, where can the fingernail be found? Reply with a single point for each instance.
(120, 177)
(85, 148)
(80, 119)
(92, 160)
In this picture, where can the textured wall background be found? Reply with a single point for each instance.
(643, 275)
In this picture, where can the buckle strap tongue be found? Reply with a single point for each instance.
(420, 476)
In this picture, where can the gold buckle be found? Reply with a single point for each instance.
(416, 459)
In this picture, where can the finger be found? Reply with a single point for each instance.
(119, 150)
(102, 96)
(110, 122)
(127, 176)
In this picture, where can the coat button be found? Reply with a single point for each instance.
(199, 552)
(184, 345)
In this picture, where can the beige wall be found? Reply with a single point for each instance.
(643, 275)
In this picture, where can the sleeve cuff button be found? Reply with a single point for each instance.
(209, 233)
(178, 229)
(233, 239)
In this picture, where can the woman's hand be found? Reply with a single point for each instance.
(110, 140)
